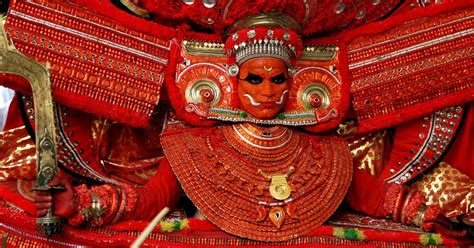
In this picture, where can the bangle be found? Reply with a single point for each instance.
(83, 199)
(405, 206)
(103, 204)
(132, 199)
(109, 201)
(121, 209)
(414, 203)
(418, 220)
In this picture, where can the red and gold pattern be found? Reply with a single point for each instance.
(98, 64)
(436, 72)
(226, 172)
(450, 189)
(369, 151)
(21, 160)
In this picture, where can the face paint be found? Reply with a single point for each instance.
(262, 91)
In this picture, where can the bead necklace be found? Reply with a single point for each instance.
(268, 144)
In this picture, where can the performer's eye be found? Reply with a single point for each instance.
(279, 79)
(253, 79)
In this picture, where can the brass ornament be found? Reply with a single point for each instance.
(135, 9)
(203, 48)
(204, 84)
(203, 91)
(279, 187)
(277, 216)
(314, 96)
(233, 70)
(319, 53)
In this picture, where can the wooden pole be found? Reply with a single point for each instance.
(150, 228)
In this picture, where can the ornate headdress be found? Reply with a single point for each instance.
(264, 35)
(205, 88)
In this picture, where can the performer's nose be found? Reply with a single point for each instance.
(267, 89)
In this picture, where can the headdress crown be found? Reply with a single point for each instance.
(264, 35)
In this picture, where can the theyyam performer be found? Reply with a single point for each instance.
(278, 111)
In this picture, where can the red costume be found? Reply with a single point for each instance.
(411, 72)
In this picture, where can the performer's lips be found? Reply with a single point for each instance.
(268, 104)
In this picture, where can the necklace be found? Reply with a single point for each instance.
(261, 143)
(220, 172)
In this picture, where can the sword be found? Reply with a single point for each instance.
(14, 62)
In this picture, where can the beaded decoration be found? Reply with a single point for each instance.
(410, 67)
(239, 176)
(99, 64)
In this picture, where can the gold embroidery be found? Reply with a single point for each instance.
(448, 188)
(18, 150)
(368, 151)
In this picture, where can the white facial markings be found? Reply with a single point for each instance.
(257, 104)
(282, 97)
(252, 101)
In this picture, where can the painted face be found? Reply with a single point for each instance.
(263, 86)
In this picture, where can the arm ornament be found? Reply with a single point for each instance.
(408, 207)
(103, 204)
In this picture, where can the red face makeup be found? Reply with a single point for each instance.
(263, 86)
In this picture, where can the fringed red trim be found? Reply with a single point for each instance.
(315, 17)
(131, 201)
(184, 32)
(84, 202)
(166, 9)
(393, 201)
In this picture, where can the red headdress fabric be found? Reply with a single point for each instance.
(320, 17)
